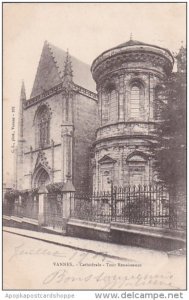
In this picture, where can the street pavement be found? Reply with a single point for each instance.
(36, 260)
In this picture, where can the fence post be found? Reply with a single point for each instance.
(68, 193)
(42, 198)
(150, 204)
(112, 201)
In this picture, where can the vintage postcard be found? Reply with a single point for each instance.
(94, 146)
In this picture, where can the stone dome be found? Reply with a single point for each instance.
(129, 52)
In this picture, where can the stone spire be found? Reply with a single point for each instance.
(20, 116)
(68, 72)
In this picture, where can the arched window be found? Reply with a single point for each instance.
(113, 106)
(105, 108)
(42, 127)
(135, 102)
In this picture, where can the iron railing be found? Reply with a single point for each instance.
(148, 205)
(142, 205)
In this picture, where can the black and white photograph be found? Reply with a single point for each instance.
(94, 147)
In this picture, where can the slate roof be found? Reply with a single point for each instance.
(81, 71)
(131, 43)
(138, 43)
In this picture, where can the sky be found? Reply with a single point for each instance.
(86, 29)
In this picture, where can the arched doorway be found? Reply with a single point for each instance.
(41, 178)
(31, 204)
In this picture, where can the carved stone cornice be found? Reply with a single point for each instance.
(129, 129)
(60, 88)
(145, 48)
(123, 61)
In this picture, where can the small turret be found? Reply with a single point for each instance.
(20, 117)
(68, 72)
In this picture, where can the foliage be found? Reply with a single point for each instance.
(170, 156)
(55, 188)
(12, 194)
(33, 191)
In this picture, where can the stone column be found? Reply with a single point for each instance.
(67, 151)
(68, 192)
(52, 161)
(121, 98)
(151, 96)
(42, 202)
(31, 165)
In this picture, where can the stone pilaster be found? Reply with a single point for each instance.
(52, 161)
(121, 98)
(42, 202)
(31, 165)
(67, 151)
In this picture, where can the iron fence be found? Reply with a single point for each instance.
(94, 207)
(149, 205)
(142, 205)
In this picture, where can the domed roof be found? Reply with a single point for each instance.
(131, 47)
(138, 43)
(131, 43)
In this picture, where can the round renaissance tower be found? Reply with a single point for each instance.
(127, 79)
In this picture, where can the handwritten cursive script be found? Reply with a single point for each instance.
(21, 250)
(116, 281)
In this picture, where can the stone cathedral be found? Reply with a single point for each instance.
(95, 126)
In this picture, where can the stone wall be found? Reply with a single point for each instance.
(85, 124)
(127, 78)
(118, 170)
(83, 112)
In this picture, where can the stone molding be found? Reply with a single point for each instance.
(135, 50)
(59, 89)
(116, 62)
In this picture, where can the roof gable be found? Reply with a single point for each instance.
(50, 70)
(81, 71)
(137, 156)
(47, 74)
(106, 160)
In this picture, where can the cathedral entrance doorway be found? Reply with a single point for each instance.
(41, 178)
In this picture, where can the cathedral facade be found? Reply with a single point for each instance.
(93, 134)
(57, 123)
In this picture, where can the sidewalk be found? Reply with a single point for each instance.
(125, 253)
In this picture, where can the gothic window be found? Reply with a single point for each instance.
(43, 127)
